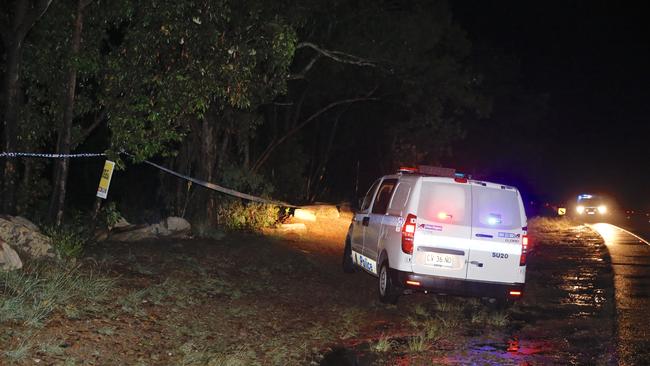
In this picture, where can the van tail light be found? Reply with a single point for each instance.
(408, 232)
(524, 250)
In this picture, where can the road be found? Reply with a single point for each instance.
(630, 256)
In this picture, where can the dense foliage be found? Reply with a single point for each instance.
(302, 101)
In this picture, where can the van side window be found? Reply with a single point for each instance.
(368, 198)
(400, 198)
(383, 196)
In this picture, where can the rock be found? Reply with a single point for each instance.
(324, 211)
(177, 225)
(9, 259)
(302, 214)
(25, 237)
(133, 233)
(171, 226)
(121, 223)
(19, 220)
(159, 229)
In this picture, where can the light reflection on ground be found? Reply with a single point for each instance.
(609, 233)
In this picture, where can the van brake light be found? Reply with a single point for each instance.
(408, 232)
(524, 250)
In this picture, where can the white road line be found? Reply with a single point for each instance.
(594, 228)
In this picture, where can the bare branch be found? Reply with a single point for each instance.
(269, 149)
(86, 3)
(99, 118)
(305, 70)
(338, 56)
(32, 17)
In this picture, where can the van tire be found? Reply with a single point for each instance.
(348, 264)
(388, 291)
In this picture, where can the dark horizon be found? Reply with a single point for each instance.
(590, 59)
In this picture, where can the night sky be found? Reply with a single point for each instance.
(591, 59)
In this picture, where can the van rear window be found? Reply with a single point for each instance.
(495, 208)
(445, 203)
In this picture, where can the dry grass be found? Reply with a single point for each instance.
(541, 225)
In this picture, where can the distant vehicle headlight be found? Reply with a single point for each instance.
(602, 209)
(580, 209)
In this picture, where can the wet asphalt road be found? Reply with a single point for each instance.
(630, 256)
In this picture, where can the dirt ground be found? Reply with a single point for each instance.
(280, 298)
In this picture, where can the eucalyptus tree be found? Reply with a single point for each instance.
(68, 57)
(395, 78)
(189, 76)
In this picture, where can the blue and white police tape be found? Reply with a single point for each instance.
(212, 186)
(48, 156)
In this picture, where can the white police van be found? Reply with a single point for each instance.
(430, 229)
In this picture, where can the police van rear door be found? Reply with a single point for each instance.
(498, 224)
(441, 241)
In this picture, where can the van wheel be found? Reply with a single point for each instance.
(388, 292)
(348, 264)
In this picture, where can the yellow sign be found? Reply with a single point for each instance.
(561, 211)
(105, 180)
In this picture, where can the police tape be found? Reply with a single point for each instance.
(212, 186)
(219, 188)
(48, 156)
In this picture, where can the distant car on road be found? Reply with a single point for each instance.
(591, 205)
(422, 230)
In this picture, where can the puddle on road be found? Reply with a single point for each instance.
(512, 351)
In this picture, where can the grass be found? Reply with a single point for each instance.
(51, 347)
(383, 345)
(498, 319)
(418, 343)
(21, 351)
(350, 319)
(107, 331)
(540, 224)
(199, 354)
(31, 295)
(132, 302)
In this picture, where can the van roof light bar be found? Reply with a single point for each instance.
(433, 171)
(437, 171)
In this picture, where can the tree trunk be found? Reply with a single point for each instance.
(23, 19)
(319, 172)
(206, 163)
(10, 124)
(62, 166)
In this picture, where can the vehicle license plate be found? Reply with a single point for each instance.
(437, 259)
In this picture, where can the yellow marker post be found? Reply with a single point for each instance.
(105, 180)
(561, 211)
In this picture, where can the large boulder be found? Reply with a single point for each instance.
(169, 227)
(9, 259)
(177, 225)
(23, 236)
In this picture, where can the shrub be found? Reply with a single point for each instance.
(110, 215)
(236, 215)
(67, 241)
